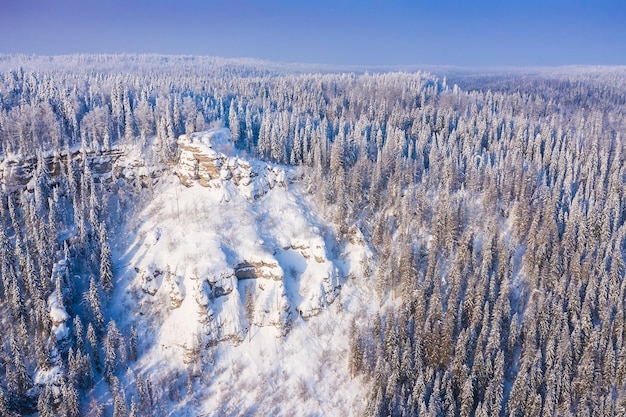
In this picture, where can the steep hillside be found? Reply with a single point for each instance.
(229, 259)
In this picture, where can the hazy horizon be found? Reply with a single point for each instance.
(344, 33)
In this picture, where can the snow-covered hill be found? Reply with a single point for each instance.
(228, 256)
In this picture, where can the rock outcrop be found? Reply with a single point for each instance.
(209, 159)
(235, 249)
(259, 269)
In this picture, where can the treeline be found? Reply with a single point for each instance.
(495, 211)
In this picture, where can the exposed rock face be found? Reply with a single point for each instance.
(176, 290)
(259, 269)
(18, 172)
(187, 169)
(104, 166)
(206, 158)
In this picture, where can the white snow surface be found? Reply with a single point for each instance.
(240, 290)
(58, 316)
(215, 141)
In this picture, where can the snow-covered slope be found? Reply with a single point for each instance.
(235, 282)
(227, 245)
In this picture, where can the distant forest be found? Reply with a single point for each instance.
(495, 207)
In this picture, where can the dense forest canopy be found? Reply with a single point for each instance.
(494, 206)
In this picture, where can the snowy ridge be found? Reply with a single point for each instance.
(226, 245)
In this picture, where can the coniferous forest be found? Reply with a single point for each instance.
(494, 206)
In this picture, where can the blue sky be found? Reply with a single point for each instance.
(366, 32)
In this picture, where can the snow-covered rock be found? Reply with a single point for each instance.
(176, 289)
(149, 276)
(254, 269)
(58, 315)
(211, 159)
(18, 171)
(52, 377)
(233, 249)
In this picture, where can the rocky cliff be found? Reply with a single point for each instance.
(228, 244)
